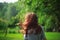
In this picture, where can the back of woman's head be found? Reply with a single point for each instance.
(30, 20)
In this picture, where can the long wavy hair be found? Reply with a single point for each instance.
(31, 22)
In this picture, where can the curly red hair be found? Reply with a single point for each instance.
(31, 22)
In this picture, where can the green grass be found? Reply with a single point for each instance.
(53, 36)
(49, 36)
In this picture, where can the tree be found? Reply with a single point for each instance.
(46, 10)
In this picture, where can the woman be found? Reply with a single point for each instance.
(31, 29)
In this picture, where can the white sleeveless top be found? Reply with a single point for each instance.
(40, 36)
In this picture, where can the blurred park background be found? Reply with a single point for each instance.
(48, 12)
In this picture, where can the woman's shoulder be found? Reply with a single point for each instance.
(42, 27)
(38, 29)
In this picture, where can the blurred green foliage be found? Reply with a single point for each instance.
(48, 12)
